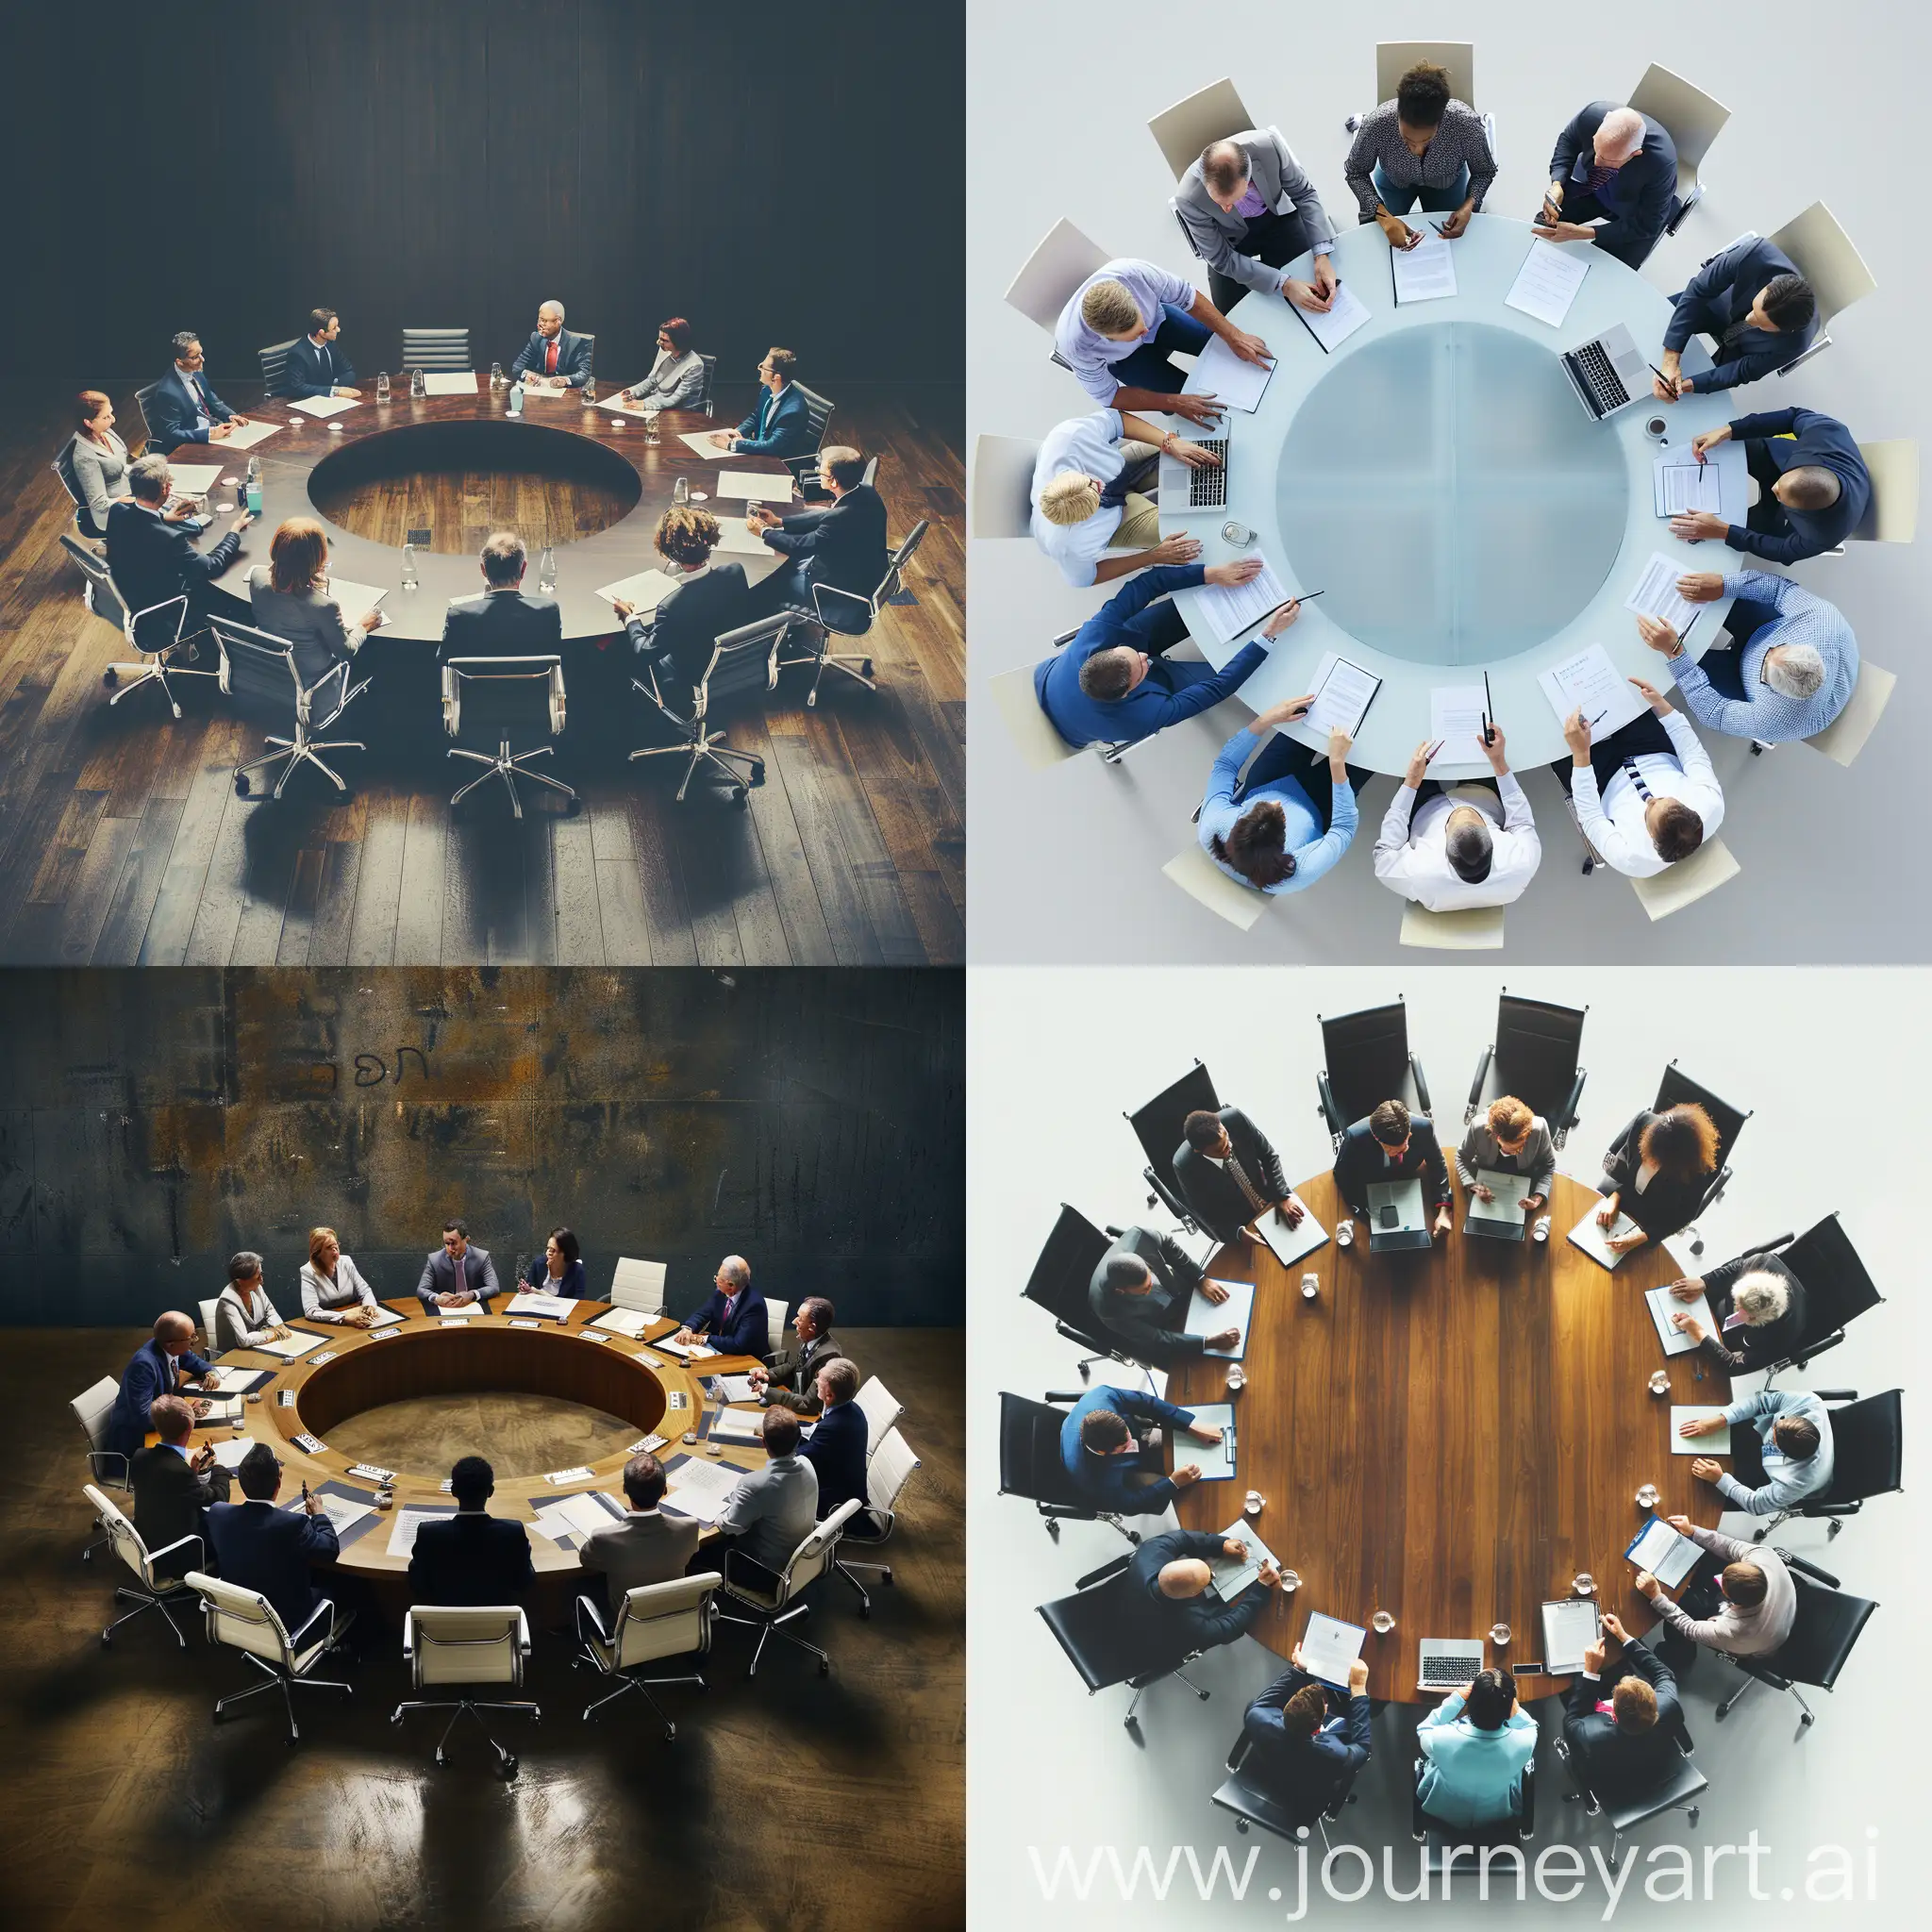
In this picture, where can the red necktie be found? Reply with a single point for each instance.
(550, 358)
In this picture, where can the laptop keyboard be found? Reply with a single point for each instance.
(1207, 489)
(1599, 373)
(1447, 1673)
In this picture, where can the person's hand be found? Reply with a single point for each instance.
(1306, 295)
(1228, 1337)
(1652, 697)
(1213, 1291)
(1483, 1193)
(759, 1375)
(1554, 195)
(1622, 1243)
(1680, 1523)
(281, 1331)
(1704, 1470)
(1326, 281)
(1269, 1575)
(1613, 1627)
(1281, 617)
(1658, 634)
(1202, 408)
(1689, 1289)
(1688, 1325)
(220, 432)
(1445, 1221)
(684, 1338)
(1562, 231)
(1594, 1656)
(1173, 550)
(354, 395)
(724, 438)
(362, 1318)
(1398, 231)
(1186, 1474)
(181, 511)
(1702, 1425)
(1456, 223)
(1233, 1546)
(1700, 586)
(1204, 1435)
(1648, 1586)
(1694, 525)
(213, 1379)
(768, 519)
(1707, 439)
(1577, 736)
(312, 1503)
(1290, 1212)
(1294, 1657)
(1192, 454)
(1239, 571)
(1339, 742)
(1250, 348)
(1607, 1211)
(1497, 750)
(370, 619)
(204, 1459)
(1532, 1203)
(1283, 711)
(242, 522)
(1663, 388)
(1418, 763)
(1359, 1677)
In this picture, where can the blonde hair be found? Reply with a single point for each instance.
(1509, 1117)
(1106, 307)
(296, 553)
(319, 1238)
(1070, 499)
(1760, 1297)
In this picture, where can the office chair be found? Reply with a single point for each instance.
(244, 1620)
(258, 669)
(655, 1619)
(1713, 864)
(1031, 1467)
(1472, 929)
(274, 367)
(1047, 279)
(881, 1409)
(1394, 59)
(1677, 1790)
(845, 614)
(1534, 1057)
(1103, 1628)
(1040, 745)
(156, 665)
(1838, 1289)
(818, 412)
(590, 356)
(775, 1313)
(772, 1609)
(1253, 1802)
(1678, 1089)
(1003, 485)
(63, 466)
(97, 591)
(1183, 130)
(1845, 738)
(1823, 1634)
(1892, 515)
(743, 660)
(1428, 1829)
(141, 399)
(638, 1285)
(1366, 1060)
(1158, 1125)
(708, 402)
(888, 1467)
(1693, 118)
(467, 1647)
(149, 1591)
(208, 1306)
(1827, 257)
(93, 1409)
(1061, 1279)
(1204, 882)
(499, 694)
(1867, 1459)
(443, 349)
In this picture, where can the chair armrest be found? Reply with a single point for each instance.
(556, 700)
(1836, 1395)
(1105, 1571)
(587, 1608)
(862, 615)
(305, 700)
(1065, 637)
(1771, 1247)
(1810, 1569)
(154, 1557)
(94, 1457)
(452, 703)
(1475, 1086)
(327, 1604)
(524, 1631)
(1422, 1085)
(1061, 1396)
(1573, 1104)
(1324, 1091)
(134, 617)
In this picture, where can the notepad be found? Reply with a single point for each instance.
(737, 1389)
(1211, 1318)
(1426, 272)
(1663, 1305)
(246, 435)
(755, 488)
(344, 1512)
(1343, 693)
(1656, 595)
(294, 1344)
(1233, 382)
(1508, 1189)
(1330, 1647)
(1717, 1443)
(699, 1489)
(228, 1454)
(401, 1537)
(631, 1322)
(551, 1308)
(1347, 314)
(736, 536)
(1586, 681)
(1289, 1244)
(699, 442)
(1595, 1240)
(1668, 1556)
(1231, 609)
(738, 1425)
(686, 1350)
(1232, 1574)
(240, 1381)
(1571, 1625)
(1683, 486)
(194, 479)
(1547, 282)
(1216, 1460)
(1456, 721)
(323, 406)
(449, 382)
(644, 592)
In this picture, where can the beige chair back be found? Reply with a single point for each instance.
(122, 1533)
(638, 1285)
(1894, 515)
(1690, 117)
(775, 1313)
(1394, 59)
(1018, 704)
(484, 1645)
(881, 1409)
(1844, 739)
(242, 1618)
(1049, 275)
(1184, 130)
(1474, 929)
(207, 1305)
(671, 1618)
(890, 1465)
(811, 1558)
(1685, 883)
(95, 1408)
(1826, 259)
(1198, 877)
(1003, 485)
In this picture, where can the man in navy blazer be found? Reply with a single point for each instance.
(1102, 1454)
(839, 1438)
(840, 543)
(553, 357)
(1393, 1144)
(1814, 488)
(316, 367)
(1616, 167)
(158, 1367)
(458, 1274)
(184, 406)
(154, 559)
(1757, 307)
(501, 622)
(781, 423)
(1306, 1741)
(471, 1557)
(1175, 1580)
(1624, 1717)
(262, 1548)
(732, 1318)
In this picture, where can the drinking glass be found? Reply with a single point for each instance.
(1382, 1623)
(382, 387)
(1583, 1583)
(1500, 1635)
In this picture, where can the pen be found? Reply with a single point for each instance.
(1489, 711)
(1307, 596)
(1599, 718)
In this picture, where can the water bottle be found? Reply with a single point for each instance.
(418, 387)
(546, 570)
(382, 387)
(680, 492)
(410, 580)
(590, 391)
(254, 486)
(516, 398)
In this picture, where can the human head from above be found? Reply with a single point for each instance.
(1127, 1274)
(1069, 499)
(325, 324)
(780, 1432)
(260, 1474)
(1388, 1123)
(172, 1419)
(779, 367)
(456, 1240)
(1186, 1576)
(1205, 1133)
(1811, 486)
(187, 346)
(549, 319)
(733, 1276)
(687, 535)
(1109, 675)
(1306, 1712)
(837, 1381)
(1421, 98)
(1492, 1694)
(1104, 1432)
(297, 554)
(1511, 1120)
(644, 1481)
(503, 560)
(1759, 1294)
(93, 413)
(1742, 1584)
(1225, 171)
(1256, 845)
(1784, 305)
(561, 1251)
(245, 1270)
(148, 479)
(1467, 844)
(1676, 830)
(1797, 1436)
(1618, 138)
(1797, 670)
(811, 1318)
(1633, 1704)
(325, 1249)
(471, 1482)
(1109, 309)
(174, 1331)
(1683, 1142)
(673, 335)
(842, 467)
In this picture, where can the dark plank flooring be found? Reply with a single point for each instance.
(123, 842)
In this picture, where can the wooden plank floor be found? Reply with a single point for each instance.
(122, 840)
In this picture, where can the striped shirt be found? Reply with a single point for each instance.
(1459, 142)
(1766, 714)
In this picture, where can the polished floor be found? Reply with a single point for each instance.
(792, 1800)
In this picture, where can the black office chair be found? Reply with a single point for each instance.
(259, 669)
(445, 349)
(98, 590)
(1061, 1279)
(1366, 1061)
(1031, 1466)
(141, 399)
(708, 402)
(1678, 1089)
(1532, 1057)
(1824, 1634)
(63, 466)
(846, 614)
(1158, 1125)
(491, 698)
(1837, 1290)
(818, 413)
(1253, 1802)
(274, 367)
(1867, 1459)
(743, 660)
(1677, 1790)
(1103, 1628)
(589, 343)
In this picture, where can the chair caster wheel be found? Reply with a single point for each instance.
(670, 1734)
(758, 773)
(292, 1740)
(1240, 1825)
(573, 807)
(826, 1671)
(177, 710)
(1806, 1722)
(107, 1640)
(242, 788)
(865, 669)
(440, 1759)
(865, 1610)
(811, 700)
(888, 1578)
(110, 678)
(1052, 1528)
(509, 1767)
(395, 1717)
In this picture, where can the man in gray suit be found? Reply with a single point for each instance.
(772, 1509)
(1248, 209)
(457, 1275)
(647, 1546)
(792, 1381)
(501, 622)
(1139, 1295)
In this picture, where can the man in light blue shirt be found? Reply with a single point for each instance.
(1794, 1429)
(1477, 1741)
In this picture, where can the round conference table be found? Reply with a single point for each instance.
(1450, 1435)
(1436, 476)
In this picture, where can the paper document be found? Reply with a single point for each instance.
(615, 403)
(535, 391)
(738, 1425)
(1595, 1240)
(734, 535)
(1215, 1460)
(1682, 487)
(228, 1454)
(221, 1408)
(1231, 609)
(240, 1381)
(296, 1344)
(699, 441)
(449, 382)
(1589, 683)
(1328, 1647)
(1426, 271)
(631, 1322)
(1347, 314)
(646, 591)
(1569, 1625)
(754, 487)
(1455, 718)
(1656, 595)
(194, 479)
(344, 1511)
(246, 435)
(325, 406)
(1232, 1574)
(401, 1537)
(383, 1318)
(1405, 1197)
(1547, 282)
(1232, 382)
(701, 1488)
(1663, 1305)
(1717, 1443)
(1508, 1189)
(1211, 1318)
(1658, 1548)
(1289, 1244)
(687, 1350)
(737, 1389)
(588, 1511)
(357, 601)
(1343, 693)
(555, 1308)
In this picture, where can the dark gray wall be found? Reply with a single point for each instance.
(776, 172)
(152, 1122)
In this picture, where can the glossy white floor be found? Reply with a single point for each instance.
(1066, 863)
(1830, 1062)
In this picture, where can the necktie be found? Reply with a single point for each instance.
(1244, 1183)
(550, 358)
(1637, 779)
(1114, 492)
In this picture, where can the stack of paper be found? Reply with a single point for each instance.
(246, 435)
(1508, 1190)
(1656, 595)
(1330, 1647)
(585, 1514)
(325, 406)
(631, 1322)
(1663, 1305)
(699, 442)
(228, 1454)
(240, 1381)
(1455, 723)
(699, 1489)
(737, 1389)
(734, 535)
(1426, 272)
(402, 1537)
(1682, 486)
(295, 1343)
(1547, 282)
(1231, 609)
(686, 1350)
(1207, 1317)
(645, 591)
(1347, 314)
(194, 479)
(342, 1512)
(1234, 383)
(755, 488)
(738, 1425)
(1589, 682)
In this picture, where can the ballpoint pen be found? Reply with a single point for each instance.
(1488, 712)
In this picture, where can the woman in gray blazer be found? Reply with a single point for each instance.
(98, 459)
(1510, 1139)
(676, 380)
(288, 600)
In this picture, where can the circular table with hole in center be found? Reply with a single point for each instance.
(1450, 1435)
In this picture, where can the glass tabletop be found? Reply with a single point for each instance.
(1448, 491)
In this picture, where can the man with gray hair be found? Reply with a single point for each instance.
(1248, 209)
(501, 622)
(1614, 167)
(1791, 667)
(732, 1319)
(154, 561)
(162, 1365)
(553, 358)
(1452, 851)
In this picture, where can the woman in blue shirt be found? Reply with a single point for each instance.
(1266, 830)
(559, 1268)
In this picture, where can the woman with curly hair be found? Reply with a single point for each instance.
(709, 599)
(1656, 1172)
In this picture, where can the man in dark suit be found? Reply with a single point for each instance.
(708, 599)
(471, 1557)
(553, 358)
(316, 367)
(841, 545)
(1612, 166)
(837, 1446)
(158, 1367)
(1177, 1585)
(261, 1548)
(1393, 1144)
(184, 406)
(732, 1318)
(792, 1381)
(1230, 1174)
(174, 1488)
(1110, 1449)
(458, 1274)
(501, 622)
(1754, 303)
(1306, 1741)
(1139, 1295)
(153, 560)
(1814, 488)
(781, 423)
(1623, 1716)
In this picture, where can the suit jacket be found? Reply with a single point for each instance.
(1215, 235)
(1213, 1194)
(747, 1332)
(171, 411)
(780, 429)
(838, 1451)
(772, 1509)
(1306, 1774)
(314, 369)
(1147, 1325)
(573, 357)
(1616, 1764)
(795, 1374)
(150, 1373)
(1195, 1623)
(842, 543)
(1799, 439)
(1665, 1206)
(695, 613)
(315, 624)
(1744, 1348)
(1640, 193)
(470, 1558)
(1720, 294)
(501, 623)
(153, 561)
(265, 1548)
(1362, 1159)
(1106, 1480)
(475, 1271)
(1473, 1777)
(646, 1547)
(572, 1286)
(171, 1501)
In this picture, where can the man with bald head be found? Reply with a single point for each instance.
(553, 358)
(1615, 167)
(732, 1318)
(1172, 1574)
(162, 1365)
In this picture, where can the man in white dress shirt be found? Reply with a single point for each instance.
(1453, 852)
(1085, 502)
(1647, 796)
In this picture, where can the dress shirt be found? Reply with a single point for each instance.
(1315, 851)
(1412, 857)
(1089, 353)
(1787, 1483)
(323, 1300)
(191, 379)
(1764, 713)
(1091, 445)
(1459, 142)
(1738, 1631)
(1614, 822)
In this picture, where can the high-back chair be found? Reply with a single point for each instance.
(1535, 1057)
(93, 1409)
(149, 633)
(1689, 881)
(589, 343)
(1015, 698)
(208, 1305)
(881, 1409)
(1203, 881)
(1845, 738)
(274, 367)
(1184, 130)
(1032, 1466)
(63, 466)
(485, 1645)
(1677, 1788)
(1693, 118)
(150, 1591)
(1159, 1125)
(1003, 485)
(1824, 1632)
(1252, 1801)
(1837, 1290)
(1470, 929)
(1867, 1459)
(743, 661)
(846, 614)
(1047, 279)
(445, 349)
(495, 697)
(1366, 1060)
(1827, 259)
(258, 668)
(1059, 1281)
(1109, 1640)
(1449, 1843)
(244, 1620)
(141, 401)
(655, 1620)
(775, 1313)
(708, 402)
(638, 1285)
(889, 1463)
(1394, 59)
(98, 590)
(1892, 515)
(772, 1609)
(818, 413)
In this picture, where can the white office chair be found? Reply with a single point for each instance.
(1688, 882)
(1003, 485)
(1046, 284)
(153, 1592)
(655, 1619)
(1893, 516)
(1474, 929)
(1826, 256)
(244, 1620)
(93, 1409)
(1040, 746)
(1184, 130)
(446, 349)
(1394, 59)
(207, 1305)
(1844, 739)
(774, 1608)
(1691, 118)
(466, 1646)
(881, 1409)
(638, 1285)
(888, 1467)
(1198, 877)
(775, 1313)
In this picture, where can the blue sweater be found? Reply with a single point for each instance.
(1315, 851)
(1103, 1479)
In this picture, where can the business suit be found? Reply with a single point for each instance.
(1195, 1623)
(838, 1452)
(840, 544)
(501, 623)
(695, 613)
(1107, 1481)
(1663, 1205)
(316, 369)
(793, 1382)
(1538, 1159)
(1306, 1774)
(470, 1558)
(1635, 202)
(151, 1372)
(1715, 303)
(572, 1288)
(1214, 1197)
(242, 1320)
(1363, 1159)
(263, 1548)
(1616, 1764)
(573, 357)
(1473, 1777)
(1743, 1349)
(154, 561)
(309, 620)
(1243, 251)
(768, 1513)
(646, 1547)
(745, 1329)
(476, 1273)
(1147, 1326)
(1779, 439)
(175, 410)
(172, 1500)
(99, 474)
(780, 427)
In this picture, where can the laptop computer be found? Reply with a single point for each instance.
(1183, 487)
(1446, 1663)
(1606, 371)
(1500, 1219)
(1395, 1216)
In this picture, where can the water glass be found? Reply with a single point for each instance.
(1237, 1378)
(382, 387)
(1500, 1635)
(1583, 1583)
(1647, 1496)
(1290, 1580)
(1382, 1623)
(497, 375)
(1660, 1382)
(1344, 1234)
(1311, 1286)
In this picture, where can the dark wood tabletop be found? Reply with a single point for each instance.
(1450, 1435)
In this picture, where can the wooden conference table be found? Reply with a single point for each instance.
(1450, 1435)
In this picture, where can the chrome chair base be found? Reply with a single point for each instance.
(770, 1626)
(288, 1687)
(505, 1760)
(509, 768)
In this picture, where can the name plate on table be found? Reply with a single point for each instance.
(678, 1399)
(372, 1471)
(569, 1475)
(381, 1334)
(526, 1324)
(328, 1354)
(594, 1334)
(450, 382)
(312, 1443)
(649, 1445)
